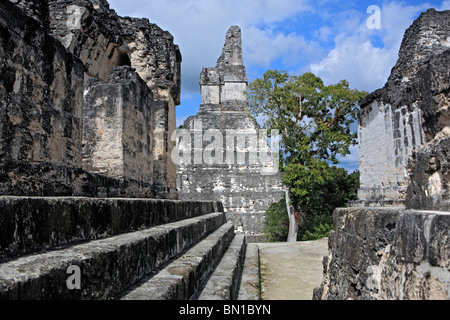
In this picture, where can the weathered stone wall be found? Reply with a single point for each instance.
(41, 94)
(409, 112)
(225, 159)
(41, 99)
(430, 177)
(387, 254)
(103, 40)
(429, 168)
(387, 137)
(43, 107)
(398, 253)
(118, 127)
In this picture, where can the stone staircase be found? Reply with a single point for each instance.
(130, 249)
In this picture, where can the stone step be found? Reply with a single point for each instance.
(107, 266)
(182, 278)
(250, 287)
(34, 224)
(225, 280)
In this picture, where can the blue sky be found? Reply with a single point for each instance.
(327, 37)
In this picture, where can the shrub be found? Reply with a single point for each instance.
(276, 224)
(316, 193)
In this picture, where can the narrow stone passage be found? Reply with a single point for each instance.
(291, 271)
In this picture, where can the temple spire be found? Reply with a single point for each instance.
(226, 83)
(232, 50)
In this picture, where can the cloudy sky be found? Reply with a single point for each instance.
(327, 37)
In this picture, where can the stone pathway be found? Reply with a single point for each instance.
(291, 271)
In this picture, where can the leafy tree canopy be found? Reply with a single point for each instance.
(314, 120)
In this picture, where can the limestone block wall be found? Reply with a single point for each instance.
(399, 121)
(164, 168)
(429, 168)
(70, 50)
(41, 94)
(387, 254)
(103, 40)
(41, 105)
(210, 86)
(430, 177)
(118, 127)
(242, 175)
(387, 138)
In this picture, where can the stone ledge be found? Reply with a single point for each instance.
(387, 253)
(181, 279)
(19, 178)
(224, 281)
(108, 266)
(377, 203)
(250, 287)
(33, 224)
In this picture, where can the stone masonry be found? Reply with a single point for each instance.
(395, 241)
(223, 149)
(88, 207)
(403, 118)
(77, 136)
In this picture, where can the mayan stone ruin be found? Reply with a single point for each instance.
(52, 67)
(102, 197)
(409, 117)
(243, 173)
(394, 242)
(88, 199)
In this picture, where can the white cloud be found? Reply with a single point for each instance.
(323, 33)
(444, 6)
(356, 57)
(263, 47)
(366, 67)
(199, 28)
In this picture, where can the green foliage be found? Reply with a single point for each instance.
(316, 193)
(319, 230)
(318, 189)
(314, 121)
(276, 224)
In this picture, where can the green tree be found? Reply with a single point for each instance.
(334, 189)
(314, 121)
(322, 192)
(276, 224)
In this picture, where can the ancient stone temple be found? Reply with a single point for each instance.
(395, 241)
(88, 200)
(409, 117)
(88, 58)
(226, 156)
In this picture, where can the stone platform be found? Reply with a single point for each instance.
(124, 248)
